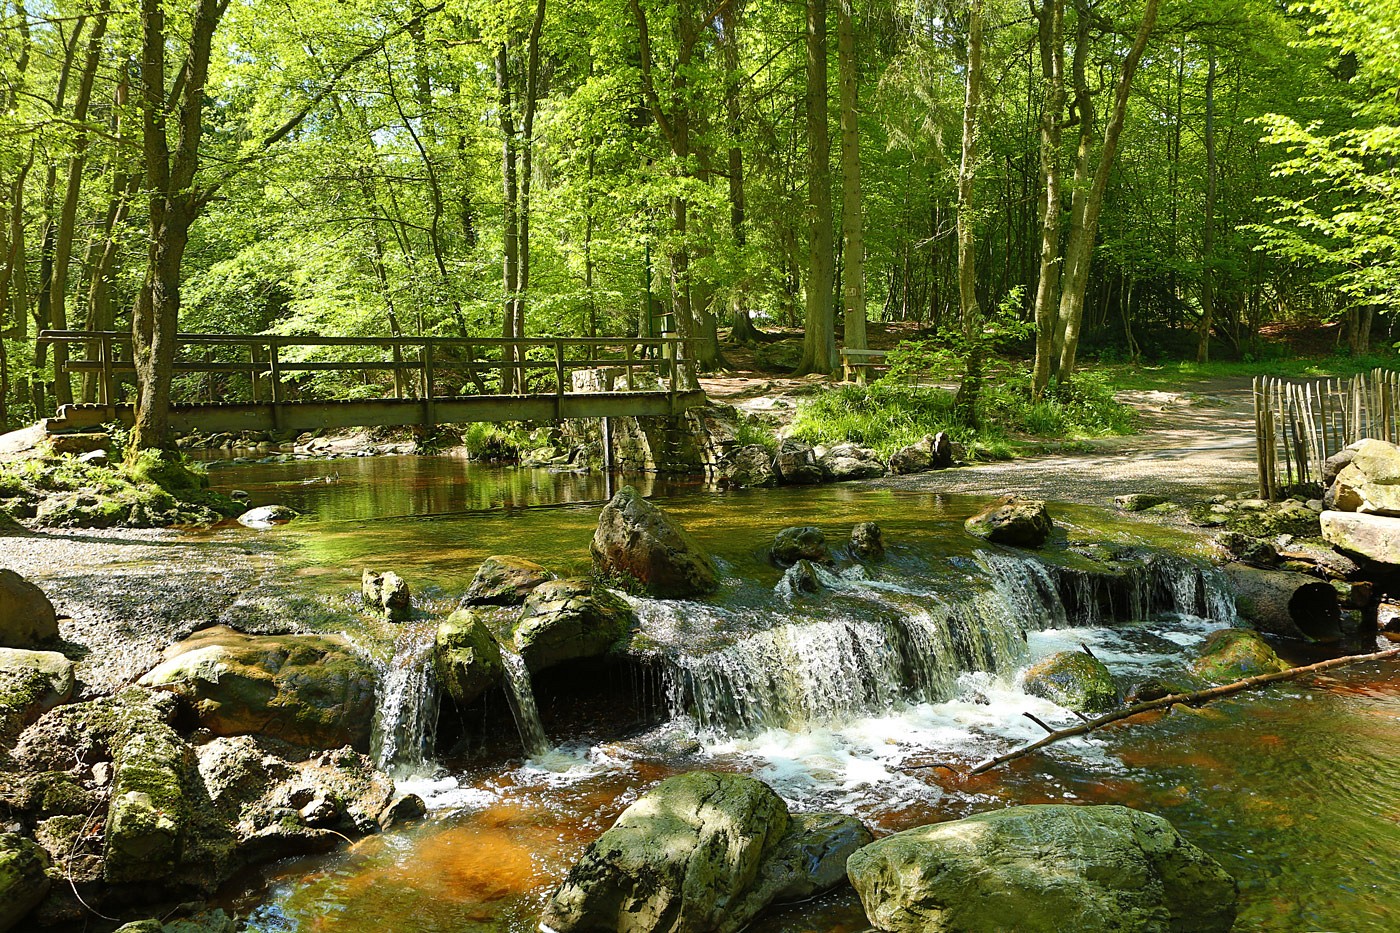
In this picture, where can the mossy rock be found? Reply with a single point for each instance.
(170, 471)
(24, 880)
(311, 690)
(1074, 680)
(1014, 521)
(565, 620)
(1233, 654)
(466, 657)
(31, 683)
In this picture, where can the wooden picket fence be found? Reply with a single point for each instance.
(1298, 425)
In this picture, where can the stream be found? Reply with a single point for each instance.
(826, 696)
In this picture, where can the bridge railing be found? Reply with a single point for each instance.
(422, 368)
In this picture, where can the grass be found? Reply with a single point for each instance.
(1177, 375)
(886, 416)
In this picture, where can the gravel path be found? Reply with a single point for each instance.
(1194, 444)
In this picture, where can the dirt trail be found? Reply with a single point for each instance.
(1194, 443)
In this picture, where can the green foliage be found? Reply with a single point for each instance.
(502, 442)
(886, 416)
(751, 430)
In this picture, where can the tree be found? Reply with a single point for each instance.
(852, 206)
(819, 337)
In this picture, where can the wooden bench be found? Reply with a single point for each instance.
(856, 365)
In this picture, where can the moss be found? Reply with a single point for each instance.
(1233, 654)
(466, 656)
(1074, 680)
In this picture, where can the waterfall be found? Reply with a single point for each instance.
(870, 646)
(522, 705)
(408, 706)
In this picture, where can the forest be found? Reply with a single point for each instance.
(1123, 179)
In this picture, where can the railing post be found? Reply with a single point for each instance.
(558, 378)
(275, 375)
(428, 388)
(104, 357)
(671, 350)
(629, 366)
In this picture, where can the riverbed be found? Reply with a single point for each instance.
(1294, 789)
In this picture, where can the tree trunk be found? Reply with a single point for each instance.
(510, 228)
(68, 212)
(1208, 230)
(1080, 253)
(1047, 290)
(819, 339)
(852, 206)
(965, 404)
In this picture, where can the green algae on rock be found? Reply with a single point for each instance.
(1233, 654)
(565, 620)
(466, 656)
(1074, 680)
(311, 690)
(31, 683)
(638, 544)
(1043, 869)
(24, 879)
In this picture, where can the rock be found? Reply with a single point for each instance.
(797, 465)
(266, 516)
(148, 818)
(1233, 654)
(93, 458)
(1370, 482)
(1044, 869)
(503, 580)
(849, 462)
(1156, 687)
(78, 444)
(27, 618)
(1074, 680)
(24, 880)
(31, 684)
(240, 495)
(1374, 537)
(801, 578)
(387, 593)
(803, 542)
(1388, 619)
(1014, 521)
(642, 545)
(404, 808)
(1289, 605)
(565, 620)
(868, 541)
(1255, 551)
(211, 921)
(749, 466)
(915, 458)
(1138, 501)
(310, 690)
(1334, 464)
(701, 853)
(945, 452)
(466, 657)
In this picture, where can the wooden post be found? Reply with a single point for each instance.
(558, 378)
(607, 447)
(1259, 458)
(396, 355)
(429, 414)
(274, 374)
(630, 350)
(105, 389)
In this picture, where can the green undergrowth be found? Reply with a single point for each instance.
(887, 415)
(155, 490)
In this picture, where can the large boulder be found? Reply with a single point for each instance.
(1073, 679)
(801, 542)
(868, 541)
(504, 580)
(149, 816)
(566, 620)
(750, 465)
(1235, 653)
(387, 594)
(851, 461)
(24, 879)
(1014, 521)
(1370, 481)
(641, 545)
(797, 464)
(1044, 869)
(311, 690)
(267, 516)
(1374, 537)
(31, 684)
(27, 618)
(701, 853)
(466, 656)
(931, 452)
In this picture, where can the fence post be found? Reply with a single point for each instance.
(558, 379)
(104, 385)
(275, 374)
(427, 358)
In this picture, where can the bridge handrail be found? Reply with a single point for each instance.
(266, 367)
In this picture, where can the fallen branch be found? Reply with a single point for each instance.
(1196, 698)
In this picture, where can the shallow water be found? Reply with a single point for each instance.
(1296, 790)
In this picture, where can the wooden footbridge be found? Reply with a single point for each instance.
(228, 382)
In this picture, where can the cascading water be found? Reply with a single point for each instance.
(407, 716)
(877, 645)
(522, 705)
